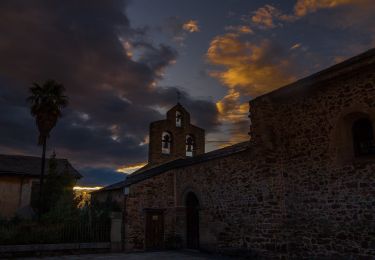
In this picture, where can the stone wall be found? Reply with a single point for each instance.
(297, 192)
(153, 193)
(239, 209)
(329, 193)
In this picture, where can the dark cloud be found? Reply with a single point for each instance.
(113, 95)
(106, 175)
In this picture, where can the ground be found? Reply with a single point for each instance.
(166, 255)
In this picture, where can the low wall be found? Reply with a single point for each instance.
(41, 249)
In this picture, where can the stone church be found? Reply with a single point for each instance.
(303, 186)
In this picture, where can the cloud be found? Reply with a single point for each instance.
(106, 176)
(296, 46)
(131, 168)
(240, 29)
(111, 73)
(191, 26)
(264, 16)
(247, 69)
(303, 7)
(252, 68)
(268, 16)
(179, 29)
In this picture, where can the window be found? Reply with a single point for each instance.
(363, 137)
(190, 145)
(166, 143)
(178, 119)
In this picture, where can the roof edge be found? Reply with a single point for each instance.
(351, 64)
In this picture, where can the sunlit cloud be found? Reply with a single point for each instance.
(268, 16)
(191, 26)
(131, 168)
(303, 7)
(86, 188)
(240, 29)
(296, 46)
(264, 16)
(247, 69)
(338, 59)
(229, 107)
(178, 29)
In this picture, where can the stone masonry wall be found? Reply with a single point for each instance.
(329, 195)
(295, 193)
(241, 210)
(153, 193)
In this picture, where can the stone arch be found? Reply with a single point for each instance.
(185, 192)
(341, 141)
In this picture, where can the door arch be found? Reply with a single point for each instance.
(192, 221)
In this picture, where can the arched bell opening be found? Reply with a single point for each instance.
(189, 145)
(166, 140)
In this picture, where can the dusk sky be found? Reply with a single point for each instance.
(122, 63)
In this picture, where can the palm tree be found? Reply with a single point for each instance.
(46, 102)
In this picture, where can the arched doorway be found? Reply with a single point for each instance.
(192, 221)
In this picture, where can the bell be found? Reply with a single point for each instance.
(166, 142)
(189, 143)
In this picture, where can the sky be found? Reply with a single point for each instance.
(122, 63)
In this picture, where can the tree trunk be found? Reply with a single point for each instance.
(41, 200)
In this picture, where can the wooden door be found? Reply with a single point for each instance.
(154, 230)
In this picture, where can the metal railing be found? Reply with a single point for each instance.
(35, 233)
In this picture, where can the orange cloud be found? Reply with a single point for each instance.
(268, 15)
(240, 29)
(247, 70)
(264, 16)
(131, 168)
(191, 26)
(303, 7)
(248, 67)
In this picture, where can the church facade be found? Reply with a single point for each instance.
(303, 186)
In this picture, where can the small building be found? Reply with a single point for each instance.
(19, 183)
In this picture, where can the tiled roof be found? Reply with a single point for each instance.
(146, 172)
(19, 165)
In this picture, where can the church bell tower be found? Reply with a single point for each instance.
(175, 137)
